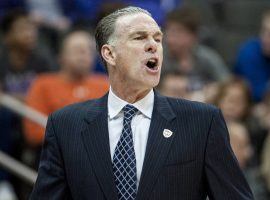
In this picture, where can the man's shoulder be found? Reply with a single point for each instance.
(180, 105)
(76, 110)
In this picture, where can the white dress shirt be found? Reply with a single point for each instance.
(140, 125)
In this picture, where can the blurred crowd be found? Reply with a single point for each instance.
(48, 60)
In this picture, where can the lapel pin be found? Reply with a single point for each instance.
(167, 133)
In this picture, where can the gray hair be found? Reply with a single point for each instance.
(106, 26)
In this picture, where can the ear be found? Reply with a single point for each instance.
(108, 54)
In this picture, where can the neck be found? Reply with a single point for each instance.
(73, 77)
(128, 93)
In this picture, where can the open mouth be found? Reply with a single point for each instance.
(152, 64)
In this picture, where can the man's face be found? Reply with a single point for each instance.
(78, 54)
(179, 38)
(138, 51)
(175, 86)
(234, 103)
(23, 33)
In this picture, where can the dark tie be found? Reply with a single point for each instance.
(124, 160)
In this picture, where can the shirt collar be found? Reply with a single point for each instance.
(116, 104)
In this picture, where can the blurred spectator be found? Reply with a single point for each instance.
(184, 52)
(81, 11)
(10, 144)
(211, 91)
(71, 84)
(265, 167)
(240, 142)
(174, 84)
(262, 110)
(48, 13)
(158, 9)
(21, 60)
(234, 99)
(7, 5)
(253, 60)
(207, 93)
(20, 56)
(168, 5)
(51, 21)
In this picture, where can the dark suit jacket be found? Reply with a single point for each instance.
(194, 162)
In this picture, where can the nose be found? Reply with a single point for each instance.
(151, 46)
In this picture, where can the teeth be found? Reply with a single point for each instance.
(152, 60)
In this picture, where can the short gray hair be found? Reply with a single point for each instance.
(106, 26)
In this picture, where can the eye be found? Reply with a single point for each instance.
(158, 40)
(139, 38)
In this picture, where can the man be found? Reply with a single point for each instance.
(184, 52)
(174, 84)
(253, 60)
(21, 57)
(173, 149)
(21, 60)
(73, 83)
(243, 150)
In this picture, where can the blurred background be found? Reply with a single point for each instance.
(215, 51)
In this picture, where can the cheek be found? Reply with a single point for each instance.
(161, 54)
(240, 111)
(128, 57)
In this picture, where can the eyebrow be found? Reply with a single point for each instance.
(145, 33)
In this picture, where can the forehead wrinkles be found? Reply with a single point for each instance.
(128, 24)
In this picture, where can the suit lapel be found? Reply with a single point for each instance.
(157, 145)
(96, 141)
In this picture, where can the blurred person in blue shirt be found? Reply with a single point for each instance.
(253, 60)
(88, 10)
